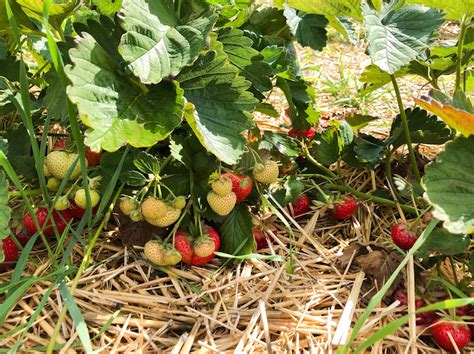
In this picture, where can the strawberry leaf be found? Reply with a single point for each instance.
(444, 242)
(5, 210)
(449, 185)
(236, 233)
(309, 29)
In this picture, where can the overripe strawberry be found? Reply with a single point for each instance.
(222, 186)
(266, 173)
(183, 244)
(179, 202)
(422, 319)
(241, 185)
(153, 208)
(402, 236)
(172, 215)
(259, 237)
(344, 209)
(460, 333)
(172, 256)
(60, 219)
(93, 158)
(10, 253)
(59, 162)
(53, 184)
(204, 247)
(127, 205)
(62, 203)
(155, 252)
(301, 205)
(81, 201)
(222, 205)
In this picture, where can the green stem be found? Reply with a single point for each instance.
(378, 200)
(319, 165)
(462, 35)
(18, 194)
(389, 176)
(406, 129)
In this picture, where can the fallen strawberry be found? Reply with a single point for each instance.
(402, 236)
(259, 237)
(344, 209)
(301, 205)
(60, 219)
(241, 185)
(459, 332)
(10, 252)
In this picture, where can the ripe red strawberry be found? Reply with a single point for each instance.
(259, 237)
(59, 144)
(41, 215)
(344, 209)
(402, 237)
(301, 205)
(77, 212)
(460, 333)
(10, 252)
(308, 134)
(422, 319)
(93, 158)
(22, 235)
(241, 185)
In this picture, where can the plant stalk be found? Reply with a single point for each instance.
(406, 129)
(462, 35)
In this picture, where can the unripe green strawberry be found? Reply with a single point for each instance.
(267, 172)
(59, 162)
(127, 205)
(171, 256)
(153, 208)
(155, 252)
(222, 186)
(171, 216)
(46, 171)
(222, 205)
(62, 203)
(204, 247)
(53, 184)
(179, 202)
(80, 198)
(136, 216)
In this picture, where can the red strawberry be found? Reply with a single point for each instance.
(199, 261)
(59, 144)
(22, 235)
(422, 319)
(77, 212)
(402, 237)
(301, 205)
(183, 244)
(442, 331)
(344, 209)
(308, 134)
(241, 185)
(93, 158)
(61, 219)
(10, 252)
(260, 238)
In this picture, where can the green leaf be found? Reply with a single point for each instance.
(326, 146)
(424, 129)
(454, 9)
(282, 142)
(56, 98)
(444, 242)
(10, 68)
(147, 163)
(359, 121)
(108, 7)
(268, 109)
(349, 8)
(19, 152)
(449, 185)
(471, 262)
(158, 43)
(116, 109)
(5, 210)
(365, 152)
(248, 60)
(218, 105)
(399, 36)
(109, 163)
(293, 189)
(236, 233)
(309, 30)
(374, 78)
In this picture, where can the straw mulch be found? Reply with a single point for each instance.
(255, 306)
